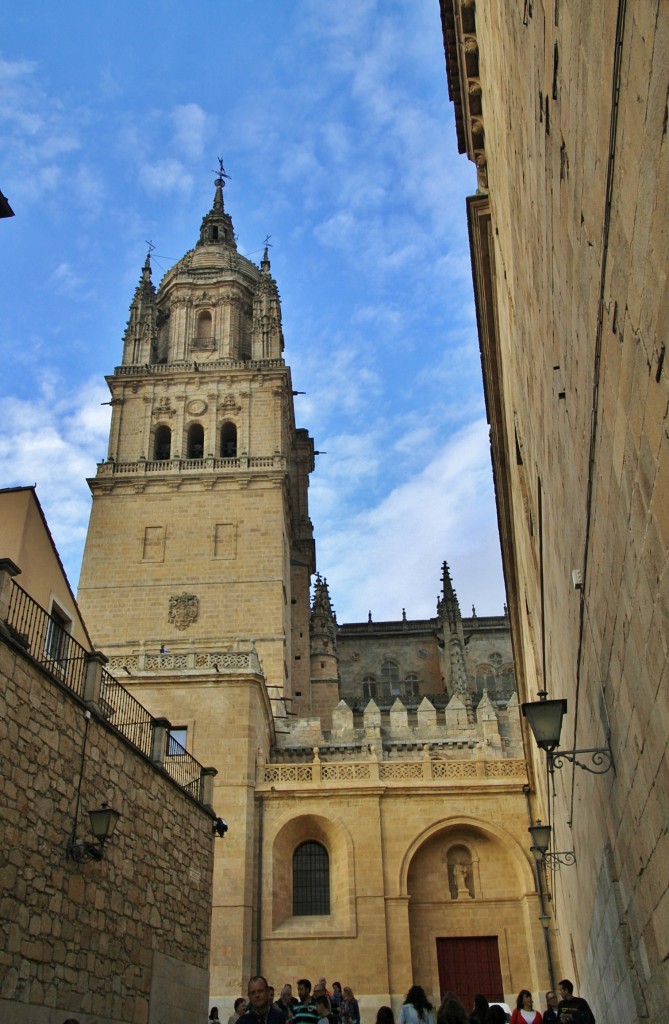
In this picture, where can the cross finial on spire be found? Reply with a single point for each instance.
(220, 184)
(147, 261)
(220, 180)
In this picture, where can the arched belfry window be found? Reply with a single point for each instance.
(195, 441)
(204, 326)
(311, 879)
(163, 444)
(228, 441)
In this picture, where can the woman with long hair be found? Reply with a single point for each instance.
(452, 1011)
(384, 1015)
(349, 1011)
(417, 1008)
(524, 1012)
(480, 1011)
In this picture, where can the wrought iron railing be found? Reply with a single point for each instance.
(45, 639)
(126, 713)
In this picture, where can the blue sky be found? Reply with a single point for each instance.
(334, 122)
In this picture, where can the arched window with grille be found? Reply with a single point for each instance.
(311, 880)
(163, 444)
(228, 441)
(195, 441)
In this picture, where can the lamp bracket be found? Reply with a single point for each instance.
(81, 851)
(601, 759)
(566, 857)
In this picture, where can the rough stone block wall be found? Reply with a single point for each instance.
(577, 164)
(92, 940)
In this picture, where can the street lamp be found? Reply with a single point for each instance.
(103, 822)
(544, 718)
(541, 837)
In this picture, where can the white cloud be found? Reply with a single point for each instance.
(66, 279)
(190, 129)
(55, 440)
(383, 557)
(165, 176)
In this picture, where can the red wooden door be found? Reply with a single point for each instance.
(469, 966)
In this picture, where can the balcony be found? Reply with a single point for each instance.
(172, 467)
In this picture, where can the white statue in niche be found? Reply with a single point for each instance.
(460, 872)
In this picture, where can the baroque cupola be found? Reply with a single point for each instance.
(214, 304)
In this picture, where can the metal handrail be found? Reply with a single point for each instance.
(45, 639)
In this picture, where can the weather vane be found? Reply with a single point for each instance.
(221, 172)
(150, 245)
(268, 244)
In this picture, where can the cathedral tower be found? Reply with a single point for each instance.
(197, 565)
(199, 534)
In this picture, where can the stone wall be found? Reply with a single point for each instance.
(393, 840)
(570, 232)
(122, 939)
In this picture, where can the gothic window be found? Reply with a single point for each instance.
(162, 444)
(195, 441)
(204, 326)
(410, 685)
(506, 679)
(485, 678)
(390, 679)
(369, 689)
(311, 879)
(228, 441)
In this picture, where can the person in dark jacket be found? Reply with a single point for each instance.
(260, 1009)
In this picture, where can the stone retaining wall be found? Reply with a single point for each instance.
(125, 938)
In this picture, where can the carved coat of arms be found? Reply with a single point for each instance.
(183, 610)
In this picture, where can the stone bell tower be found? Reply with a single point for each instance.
(199, 535)
(197, 565)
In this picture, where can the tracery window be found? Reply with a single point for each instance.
(390, 679)
(485, 678)
(311, 879)
(410, 685)
(369, 688)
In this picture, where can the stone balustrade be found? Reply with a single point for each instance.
(335, 774)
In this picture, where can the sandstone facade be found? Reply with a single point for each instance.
(563, 108)
(196, 581)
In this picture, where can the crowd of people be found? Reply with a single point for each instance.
(339, 1006)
